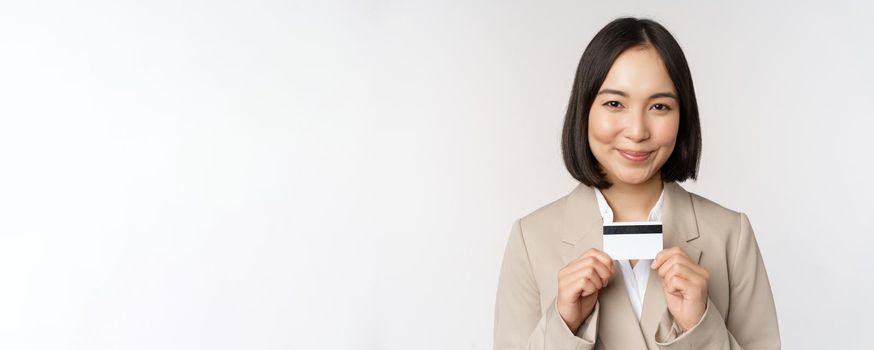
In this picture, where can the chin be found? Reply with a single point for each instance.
(633, 179)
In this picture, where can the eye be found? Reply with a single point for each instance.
(661, 107)
(613, 104)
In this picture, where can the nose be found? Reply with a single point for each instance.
(636, 128)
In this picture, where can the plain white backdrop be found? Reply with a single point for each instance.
(343, 175)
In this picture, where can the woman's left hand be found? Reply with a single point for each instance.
(685, 286)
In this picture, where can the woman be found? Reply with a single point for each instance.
(630, 134)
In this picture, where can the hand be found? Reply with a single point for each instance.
(685, 286)
(578, 286)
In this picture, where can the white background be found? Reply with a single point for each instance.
(315, 175)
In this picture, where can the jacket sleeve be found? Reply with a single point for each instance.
(751, 322)
(519, 322)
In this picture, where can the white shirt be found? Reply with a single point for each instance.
(635, 278)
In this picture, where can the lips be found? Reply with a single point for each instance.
(635, 155)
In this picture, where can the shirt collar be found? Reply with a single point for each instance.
(607, 213)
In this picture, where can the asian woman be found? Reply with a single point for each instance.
(631, 133)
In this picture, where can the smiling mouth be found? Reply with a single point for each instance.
(636, 156)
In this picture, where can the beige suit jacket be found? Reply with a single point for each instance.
(740, 312)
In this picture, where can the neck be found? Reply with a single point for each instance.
(633, 202)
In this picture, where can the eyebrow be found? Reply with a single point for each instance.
(653, 96)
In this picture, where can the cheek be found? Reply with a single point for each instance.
(665, 133)
(602, 130)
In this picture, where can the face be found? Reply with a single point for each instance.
(634, 119)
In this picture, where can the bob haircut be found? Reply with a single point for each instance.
(613, 39)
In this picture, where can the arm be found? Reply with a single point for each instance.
(519, 322)
(753, 322)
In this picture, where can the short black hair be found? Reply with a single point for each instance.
(617, 36)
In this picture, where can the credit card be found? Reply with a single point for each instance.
(633, 240)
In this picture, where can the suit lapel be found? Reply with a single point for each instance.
(583, 224)
(680, 227)
(619, 328)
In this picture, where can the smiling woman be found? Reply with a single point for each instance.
(632, 132)
(632, 69)
(634, 118)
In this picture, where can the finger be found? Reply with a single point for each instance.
(590, 263)
(682, 271)
(589, 257)
(575, 280)
(685, 261)
(667, 265)
(586, 286)
(597, 270)
(679, 286)
(681, 259)
(670, 265)
(664, 255)
(576, 284)
(594, 279)
(589, 291)
(600, 255)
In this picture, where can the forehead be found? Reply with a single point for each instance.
(640, 72)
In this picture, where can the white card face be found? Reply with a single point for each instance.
(633, 240)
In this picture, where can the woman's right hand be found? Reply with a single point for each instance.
(578, 286)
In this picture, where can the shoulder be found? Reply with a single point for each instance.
(716, 221)
(546, 225)
(712, 211)
(546, 219)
